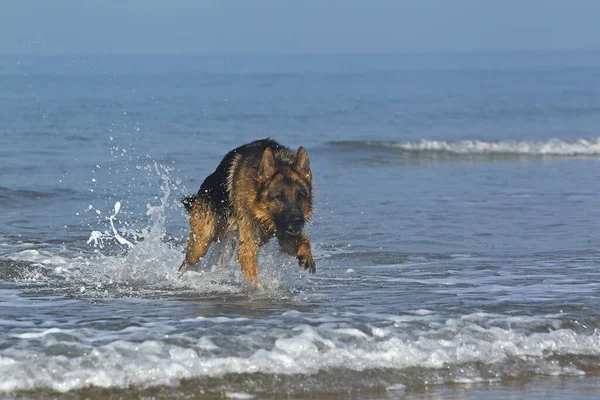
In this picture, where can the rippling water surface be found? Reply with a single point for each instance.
(456, 230)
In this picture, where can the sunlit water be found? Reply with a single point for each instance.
(456, 234)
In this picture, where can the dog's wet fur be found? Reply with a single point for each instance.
(259, 191)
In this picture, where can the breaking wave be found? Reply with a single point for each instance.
(553, 147)
(474, 348)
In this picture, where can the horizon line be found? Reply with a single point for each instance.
(359, 53)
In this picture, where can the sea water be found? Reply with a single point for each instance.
(456, 227)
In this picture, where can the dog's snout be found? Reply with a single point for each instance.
(295, 223)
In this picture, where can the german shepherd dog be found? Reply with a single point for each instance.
(259, 190)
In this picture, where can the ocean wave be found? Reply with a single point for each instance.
(472, 351)
(552, 147)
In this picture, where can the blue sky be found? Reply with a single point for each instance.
(300, 26)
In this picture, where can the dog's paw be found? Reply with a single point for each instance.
(308, 263)
(184, 267)
(259, 285)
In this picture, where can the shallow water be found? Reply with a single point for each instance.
(456, 228)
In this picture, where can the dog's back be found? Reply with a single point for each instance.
(217, 188)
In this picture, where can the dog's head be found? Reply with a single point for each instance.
(284, 201)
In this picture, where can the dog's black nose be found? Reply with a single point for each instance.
(295, 224)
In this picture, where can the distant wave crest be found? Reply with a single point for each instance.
(552, 147)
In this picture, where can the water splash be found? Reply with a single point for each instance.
(119, 238)
(148, 265)
(97, 238)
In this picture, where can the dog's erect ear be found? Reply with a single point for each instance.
(267, 166)
(301, 165)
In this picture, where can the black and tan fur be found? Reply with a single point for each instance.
(260, 190)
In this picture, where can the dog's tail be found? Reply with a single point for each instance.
(188, 202)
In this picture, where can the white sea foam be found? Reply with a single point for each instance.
(151, 265)
(219, 320)
(38, 334)
(238, 395)
(553, 147)
(397, 387)
(307, 350)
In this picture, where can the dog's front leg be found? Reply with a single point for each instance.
(300, 247)
(202, 233)
(247, 257)
(248, 252)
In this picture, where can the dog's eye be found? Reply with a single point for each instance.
(300, 195)
(279, 196)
